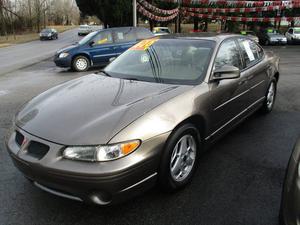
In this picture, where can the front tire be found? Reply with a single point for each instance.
(81, 63)
(270, 97)
(180, 157)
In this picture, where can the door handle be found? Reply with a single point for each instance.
(242, 82)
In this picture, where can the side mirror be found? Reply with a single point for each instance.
(91, 44)
(226, 72)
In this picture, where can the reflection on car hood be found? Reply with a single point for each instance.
(92, 109)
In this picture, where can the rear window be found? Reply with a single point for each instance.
(251, 52)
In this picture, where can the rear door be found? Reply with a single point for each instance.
(228, 97)
(102, 48)
(124, 38)
(255, 69)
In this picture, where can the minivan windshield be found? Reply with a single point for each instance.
(87, 38)
(173, 61)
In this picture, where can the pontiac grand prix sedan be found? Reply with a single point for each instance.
(145, 119)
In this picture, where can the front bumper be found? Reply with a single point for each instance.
(45, 37)
(63, 62)
(278, 42)
(99, 183)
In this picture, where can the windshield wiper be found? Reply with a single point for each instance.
(130, 78)
(105, 73)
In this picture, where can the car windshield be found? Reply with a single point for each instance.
(87, 38)
(46, 31)
(271, 31)
(296, 30)
(171, 61)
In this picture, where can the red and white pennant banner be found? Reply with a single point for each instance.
(237, 3)
(149, 15)
(158, 10)
(238, 10)
(242, 19)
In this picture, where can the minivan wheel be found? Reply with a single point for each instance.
(270, 97)
(81, 63)
(180, 158)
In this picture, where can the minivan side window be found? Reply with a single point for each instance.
(228, 54)
(104, 37)
(124, 35)
(251, 52)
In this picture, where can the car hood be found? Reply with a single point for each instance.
(68, 48)
(92, 109)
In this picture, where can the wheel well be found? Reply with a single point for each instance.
(82, 54)
(276, 75)
(198, 121)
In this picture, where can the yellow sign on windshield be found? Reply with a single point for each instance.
(144, 45)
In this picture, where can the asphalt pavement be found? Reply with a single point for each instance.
(238, 181)
(18, 56)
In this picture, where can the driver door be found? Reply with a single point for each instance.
(102, 48)
(228, 96)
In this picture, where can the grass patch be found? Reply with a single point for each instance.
(26, 37)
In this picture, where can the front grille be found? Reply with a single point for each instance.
(37, 150)
(19, 138)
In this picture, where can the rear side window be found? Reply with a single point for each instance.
(124, 35)
(104, 37)
(251, 52)
(228, 55)
(143, 33)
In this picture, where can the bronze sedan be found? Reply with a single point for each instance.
(145, 119)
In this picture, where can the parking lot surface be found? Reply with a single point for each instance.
(238, 181)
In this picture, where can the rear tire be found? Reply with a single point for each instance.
(270, 97)
(81, 63)
(179, 160)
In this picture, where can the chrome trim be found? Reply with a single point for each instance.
(42, 187)
(239, 95)
(111, 54)
(245, 110)
(230, 100)
(138, 183)
(256, 85)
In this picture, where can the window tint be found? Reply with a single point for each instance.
(228, 55)
(291, 31)
(251, 52)
(143, 33)
(103, 37)
(124, 35)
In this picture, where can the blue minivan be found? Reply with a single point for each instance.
(100, 47)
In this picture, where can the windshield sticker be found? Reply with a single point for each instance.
(248, 51)
(243, 32)
(144, 45)
(144, 58)
(270, 31)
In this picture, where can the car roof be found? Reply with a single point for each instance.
(218, 37)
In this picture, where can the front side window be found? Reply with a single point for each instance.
(104, 37)
(291, 31)
(228, 54)
(170, 61)
(251, 52)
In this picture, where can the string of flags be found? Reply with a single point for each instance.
(219, 6)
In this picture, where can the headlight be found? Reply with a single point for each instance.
(101, 153)
(63, 55)
(49, 35)
(284, 39)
